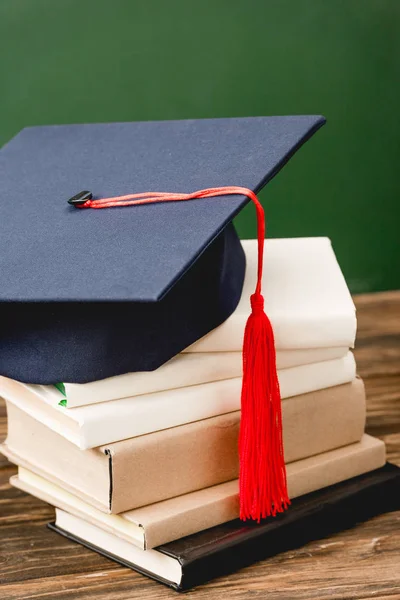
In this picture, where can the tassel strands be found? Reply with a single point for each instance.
(262, 478)
(262, 481)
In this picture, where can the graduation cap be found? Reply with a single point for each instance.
(89, 294)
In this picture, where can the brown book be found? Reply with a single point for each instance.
(161, 465)
(150, 526)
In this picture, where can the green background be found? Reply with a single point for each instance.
(66, 61)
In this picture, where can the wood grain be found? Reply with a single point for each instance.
(3, 430)
(357, 564)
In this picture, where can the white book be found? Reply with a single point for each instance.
(165, 521)
(306, 298)
(309, 305)
(184, 370)
(106, 422)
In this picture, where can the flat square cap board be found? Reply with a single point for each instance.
(87, 294)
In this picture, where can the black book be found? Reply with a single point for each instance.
(221, 550)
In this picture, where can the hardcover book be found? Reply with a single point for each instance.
(150, 468)
(306, 298)
(220, 550)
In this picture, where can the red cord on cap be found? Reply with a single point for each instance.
(262, 479)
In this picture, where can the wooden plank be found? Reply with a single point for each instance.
(378, 359)
(377, 314)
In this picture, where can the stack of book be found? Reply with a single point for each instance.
(143, 467)
(121, 348)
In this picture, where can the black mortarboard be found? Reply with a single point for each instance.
(86, 295)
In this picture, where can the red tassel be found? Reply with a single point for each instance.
(263, 489)
(262, 480)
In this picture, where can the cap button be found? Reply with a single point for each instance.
(80, 198)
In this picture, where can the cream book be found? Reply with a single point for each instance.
(184, 370)
(106, 422)
(172, 519)
(306, 298)
(168, 463)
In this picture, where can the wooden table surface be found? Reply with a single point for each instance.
(361, 563)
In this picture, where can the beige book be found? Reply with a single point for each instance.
(172, 462)
(306, 298)
(107, 422)
(172, 519)
(181, 371)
